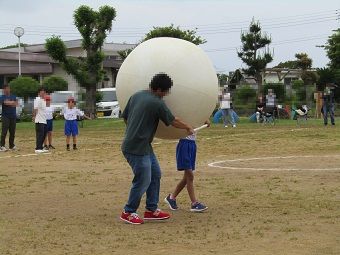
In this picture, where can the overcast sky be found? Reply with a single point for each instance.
(294, 26)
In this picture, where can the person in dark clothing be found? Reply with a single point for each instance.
(328, 106)
(9, 103)
(142, 114)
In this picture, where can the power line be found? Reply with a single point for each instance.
(203, 32)
(295, 40)
(293, 19)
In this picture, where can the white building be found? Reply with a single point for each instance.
(35, 62)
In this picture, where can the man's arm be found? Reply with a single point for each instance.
(11, 103)
(178, 123)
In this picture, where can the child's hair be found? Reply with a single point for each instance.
(41, 89)
(161, 81)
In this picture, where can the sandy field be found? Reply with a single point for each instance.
(269, 189)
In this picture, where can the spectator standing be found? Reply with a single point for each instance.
(9, 117)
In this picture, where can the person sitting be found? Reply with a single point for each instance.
(259, 111)
(270, 102)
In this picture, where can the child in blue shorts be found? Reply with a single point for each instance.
(186, 159)
(49, 121)
(71, 125)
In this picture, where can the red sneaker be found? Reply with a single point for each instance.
(131, 218)
(156, 215)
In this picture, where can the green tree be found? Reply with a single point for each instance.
(55, 83)
(175, 32)
(245, 94)
(93, 27)
(254, 52)
(14, 46)
(333, 49)
(304, 63)
(168, 31)
(24, 87)
(299, 88)
(222, 79)
(291, 64)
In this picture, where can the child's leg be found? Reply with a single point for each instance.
(49, 136)
(180, 186)
(74, 142)
(189, 176)
(68, 138)
(74, 139)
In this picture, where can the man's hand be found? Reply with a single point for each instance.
(190, 131)
(207, 122)
(178, 123)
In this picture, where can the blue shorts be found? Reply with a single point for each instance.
(49, 125)
(71, 127)
(186, 155)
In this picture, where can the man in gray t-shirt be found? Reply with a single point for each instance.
(141, 115)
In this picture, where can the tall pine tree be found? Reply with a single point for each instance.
(254, 52)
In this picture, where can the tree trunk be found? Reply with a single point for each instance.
(90, 102)
(259, 84)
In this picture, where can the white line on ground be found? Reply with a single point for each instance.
(50, 153)
(216, 164)
(25, 155)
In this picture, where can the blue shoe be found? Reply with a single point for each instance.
(198, 207)
(171, 202)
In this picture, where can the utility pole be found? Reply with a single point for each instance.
(19, 31)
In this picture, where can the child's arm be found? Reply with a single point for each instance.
(82, 114)
(86, 117)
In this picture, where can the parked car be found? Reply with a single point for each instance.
(59, 99)
(108, 107)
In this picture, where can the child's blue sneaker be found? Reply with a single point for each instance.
(198, 207)
(171, 202)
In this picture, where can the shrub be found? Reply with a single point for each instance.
(24, 87)
(55, 83)
(245, 94)
(300, 91)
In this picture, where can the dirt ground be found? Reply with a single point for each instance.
(269, 189)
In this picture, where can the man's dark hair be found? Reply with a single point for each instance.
(161, 81)
(5, 86)
(41, 89)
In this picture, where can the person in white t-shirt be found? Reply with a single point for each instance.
(71, 125)
(39, 118)
(225, 105)
(49, 120)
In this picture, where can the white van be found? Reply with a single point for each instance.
(59, 99)
(108, 107)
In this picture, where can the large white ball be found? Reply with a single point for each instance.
(195, 86)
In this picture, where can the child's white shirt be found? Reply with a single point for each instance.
(49, 112)
(71, 114)
(191, 137)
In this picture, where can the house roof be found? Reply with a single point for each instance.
(108, 48)
(29, 57)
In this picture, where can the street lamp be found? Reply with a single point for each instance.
(19, 31)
